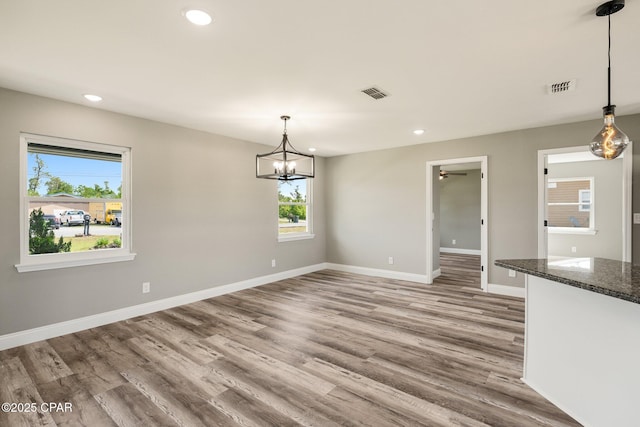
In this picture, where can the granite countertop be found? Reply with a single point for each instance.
(604, 276)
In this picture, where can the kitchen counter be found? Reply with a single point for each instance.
(582, 336)
(605, 276)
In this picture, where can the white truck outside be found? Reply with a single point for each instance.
(74, 217)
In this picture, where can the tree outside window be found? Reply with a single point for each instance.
(294, 207)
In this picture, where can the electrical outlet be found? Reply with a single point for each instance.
(146, 287)
(390, 260)
(273, 263)
(512, 273)
(453, 242)
(574, 249)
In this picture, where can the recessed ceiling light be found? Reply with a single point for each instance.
(418, 131)
(312, 149)
(197, 17)
(92, 98)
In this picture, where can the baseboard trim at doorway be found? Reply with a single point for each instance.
(460, 251)
(510, 291)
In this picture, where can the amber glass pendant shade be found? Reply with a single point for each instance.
(610, 142)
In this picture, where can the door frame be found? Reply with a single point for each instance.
(484, 213)
(627, 179)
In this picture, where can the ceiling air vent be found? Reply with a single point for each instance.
(375, 93)
(560, 87)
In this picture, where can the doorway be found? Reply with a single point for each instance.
(434, 175)
(584, 204)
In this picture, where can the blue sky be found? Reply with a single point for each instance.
(78, 171)
(287, 187)
(88, 172)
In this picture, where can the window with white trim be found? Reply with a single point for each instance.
(584, 198)
(74, 203)
(294, 209)
(570, 205)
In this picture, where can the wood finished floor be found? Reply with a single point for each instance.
(324, 349)
(460, 270)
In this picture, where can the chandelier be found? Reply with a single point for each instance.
(285, 163)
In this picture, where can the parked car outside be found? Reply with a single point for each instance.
(52, 221)
(75, 217)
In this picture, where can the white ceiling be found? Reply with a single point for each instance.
(455, 68)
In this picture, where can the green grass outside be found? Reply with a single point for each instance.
(293, 229)
(84, 243)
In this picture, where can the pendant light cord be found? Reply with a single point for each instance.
(609, 66)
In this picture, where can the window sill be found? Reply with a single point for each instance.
(55, 264)
(295, 237)
(569, 230)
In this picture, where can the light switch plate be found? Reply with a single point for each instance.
(636, 218)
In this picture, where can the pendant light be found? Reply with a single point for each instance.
(285, 163)
(610, 142)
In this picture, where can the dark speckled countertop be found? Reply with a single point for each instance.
(604, 276)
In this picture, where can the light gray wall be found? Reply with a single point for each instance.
(607, 242)
(228, 235)
(460, 197)
(368, 206)
(378, 199)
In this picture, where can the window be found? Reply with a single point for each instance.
(570, 205)
(584, 198)
(74, 203)
(294, 210)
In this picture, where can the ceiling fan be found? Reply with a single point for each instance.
(445, 174)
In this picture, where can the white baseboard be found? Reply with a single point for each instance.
(461, 251)
(436, 273)
(388, 274)
(511, 291)
(75, 325)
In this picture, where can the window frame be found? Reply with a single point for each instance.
(287, 237)
(582, 203)
(592, 213)
(30, 262)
